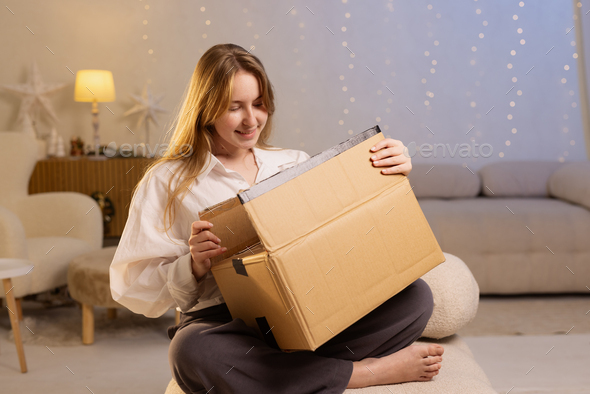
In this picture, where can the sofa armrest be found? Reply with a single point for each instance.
(456, 297)
(13, 243)
(572, 183)
(62, 214)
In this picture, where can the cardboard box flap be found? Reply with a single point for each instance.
(232, 225)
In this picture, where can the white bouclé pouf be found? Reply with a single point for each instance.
(456, 297)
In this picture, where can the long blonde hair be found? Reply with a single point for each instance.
(207, 98)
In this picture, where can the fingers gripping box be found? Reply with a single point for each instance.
(315, 247)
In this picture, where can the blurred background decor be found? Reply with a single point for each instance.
(107, 208)
(95, 86)
(147, 107)
(77, 146)
(34, 95)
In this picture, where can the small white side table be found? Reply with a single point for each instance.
(10, 268)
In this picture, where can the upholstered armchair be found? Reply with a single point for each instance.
(48, 229)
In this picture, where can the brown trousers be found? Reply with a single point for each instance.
(212, 353)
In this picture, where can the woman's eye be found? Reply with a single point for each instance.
(256, 105)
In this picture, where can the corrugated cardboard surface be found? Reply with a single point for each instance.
(232, 225)
(259, 295)
(340, 239)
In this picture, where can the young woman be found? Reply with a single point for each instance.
(219, 146)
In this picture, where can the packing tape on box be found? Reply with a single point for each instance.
(239, 267)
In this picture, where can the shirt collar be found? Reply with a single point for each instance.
(214, 162)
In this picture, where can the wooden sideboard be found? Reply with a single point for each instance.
(114, 177)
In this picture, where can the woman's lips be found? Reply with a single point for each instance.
(250, 135)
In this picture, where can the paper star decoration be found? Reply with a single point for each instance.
(147, 106)
(34, 96)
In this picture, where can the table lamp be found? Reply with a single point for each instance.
(95, 86)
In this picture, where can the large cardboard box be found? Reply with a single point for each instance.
(315, 247)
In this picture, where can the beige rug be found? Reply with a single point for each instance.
(530, 315)
(62, 326)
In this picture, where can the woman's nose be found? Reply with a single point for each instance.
(250, 118)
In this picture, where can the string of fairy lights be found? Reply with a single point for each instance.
(432, 63)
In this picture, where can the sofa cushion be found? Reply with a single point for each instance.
(443, 181)
(484, 225)
(456, 297)
(515, 245)
(517, 178)
(572, 183)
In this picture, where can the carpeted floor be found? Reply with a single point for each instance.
(530, 315)
(534, 364)
(62, 326)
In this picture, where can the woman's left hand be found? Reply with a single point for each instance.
(389, 153)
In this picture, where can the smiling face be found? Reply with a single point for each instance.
(239, 128)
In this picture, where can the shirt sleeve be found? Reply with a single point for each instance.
(151, 271)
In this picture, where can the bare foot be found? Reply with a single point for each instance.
(414, 363)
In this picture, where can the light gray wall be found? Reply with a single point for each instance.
(315, 75)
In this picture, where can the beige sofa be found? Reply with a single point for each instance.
(521, 227)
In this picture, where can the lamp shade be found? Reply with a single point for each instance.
(94, 85)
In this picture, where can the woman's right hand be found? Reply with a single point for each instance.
(203, 245)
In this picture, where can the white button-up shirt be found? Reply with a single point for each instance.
(151, 271)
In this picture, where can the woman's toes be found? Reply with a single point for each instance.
(435, 350)
(429, 375)
(432, 360)
(431, 350)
